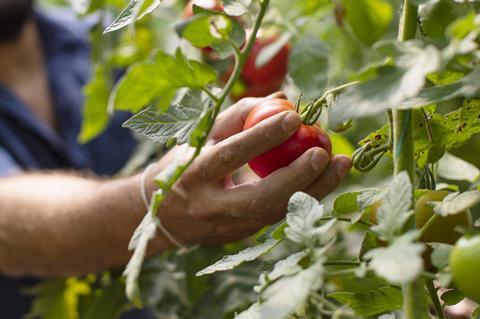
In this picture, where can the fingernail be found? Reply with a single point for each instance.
(318, 159)
(344, 165)
(290, 121)
(276, 95)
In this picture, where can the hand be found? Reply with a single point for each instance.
(206, 206)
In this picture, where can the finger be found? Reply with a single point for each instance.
(330, 178)
(230, 154)
(231, 121)
(270, 194)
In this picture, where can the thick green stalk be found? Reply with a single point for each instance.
(414, 301)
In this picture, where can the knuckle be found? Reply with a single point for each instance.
(227, 153)
(260, 207)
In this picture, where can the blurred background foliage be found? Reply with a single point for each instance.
(332, 44)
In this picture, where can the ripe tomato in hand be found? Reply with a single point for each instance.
(465, 263)
(267, 79)
(304, 138)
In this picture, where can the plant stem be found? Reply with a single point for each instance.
(342, 263)
(427, 225)
(318, 103)
(343, 219)
(211, 95)
(242, 58)
(414, 301)
(434, 296)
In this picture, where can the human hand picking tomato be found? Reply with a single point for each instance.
(306, 137)
(207, 206)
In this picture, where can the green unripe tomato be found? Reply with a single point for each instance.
(443, 228)
(465, 263)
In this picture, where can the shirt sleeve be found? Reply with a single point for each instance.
(8, 166)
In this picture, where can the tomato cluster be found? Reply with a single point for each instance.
(307, 136)
(255, 81)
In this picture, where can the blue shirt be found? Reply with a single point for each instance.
(28, 144)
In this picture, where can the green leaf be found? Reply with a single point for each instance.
(281, 298)
(440, 254)
(287, 267)
(371, 303)
(368, 197)
(452, 297)
(395, 208)
(237, 7)
(146, 231)
(391, 86)
(454, 168)
(369, 19)
(276, 231)
(370, 241)
(135, 10)
(461, 27)
(448, 131)
(95, 115)
(455, 203)
(154, 80)
(169, 175)
(346, 203)
(308, 65)
(212, 29)
(436, 17)
(304, 212)
(200, 132)
(176, 125)
(468, 86)
(400, 262)
(232, 261)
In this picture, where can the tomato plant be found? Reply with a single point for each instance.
(404, 91)
(464, 262)
(305, 137)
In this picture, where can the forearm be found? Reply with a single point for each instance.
(56, 224)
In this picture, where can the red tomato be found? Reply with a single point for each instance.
(275, 69)
(267, 79)
(215, 5)
(304, 138)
